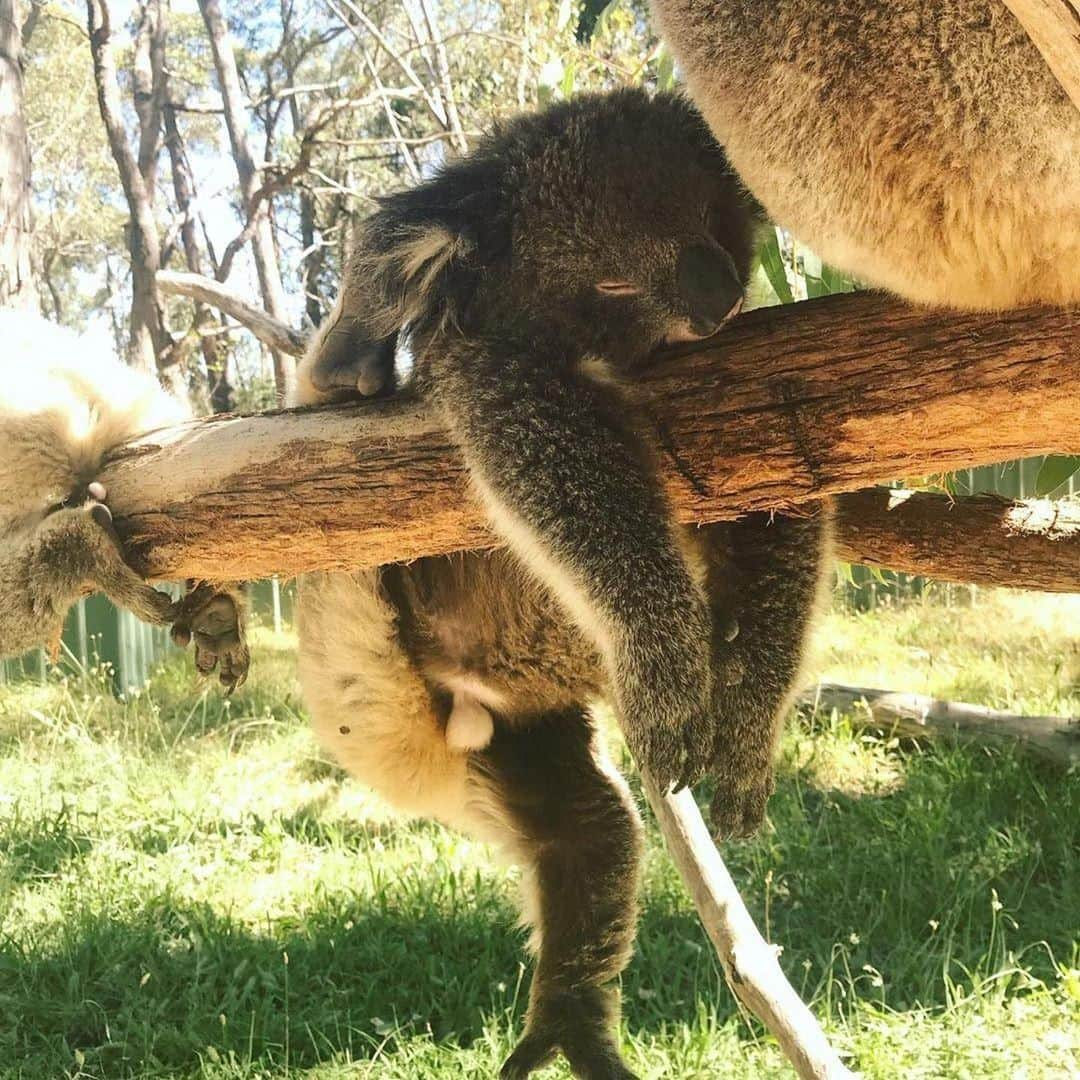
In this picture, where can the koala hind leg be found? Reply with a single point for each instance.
(768, 574)
(70, 554)
(567, 817)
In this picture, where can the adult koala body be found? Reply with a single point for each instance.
(922, 146)
(65, 402)
(531, 278)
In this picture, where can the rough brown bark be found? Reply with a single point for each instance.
(1052, 738)
(788, 405)
(16, 280)
(1034, 544)
(1054, 27)
(255, 209)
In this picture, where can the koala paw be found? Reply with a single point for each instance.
(79, 551)
(739, 802)
(571, 1022)
(216, 623)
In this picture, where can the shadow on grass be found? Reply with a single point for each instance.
(971, 866)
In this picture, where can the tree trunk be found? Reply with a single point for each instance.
(17, 288)
(148, 344)
(788, 405)
(262, 237)
(214, 351)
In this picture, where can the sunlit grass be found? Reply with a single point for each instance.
(188, 888)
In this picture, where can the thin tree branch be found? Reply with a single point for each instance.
(750, 963)
(1054, 27)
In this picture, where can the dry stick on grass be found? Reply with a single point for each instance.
(1051, 738)
(789, 405)
(750, 963)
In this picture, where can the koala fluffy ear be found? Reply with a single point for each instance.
(417, 252)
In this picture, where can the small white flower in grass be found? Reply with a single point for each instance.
(995, 903)
(285, 958)
(854, 938)
(145, 978)
(221, 1019)
(933, 924)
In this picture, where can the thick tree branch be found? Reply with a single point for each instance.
(1054, 27)
(983, 539)
(788, 405)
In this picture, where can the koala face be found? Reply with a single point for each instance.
(610, 224)
(628, 229)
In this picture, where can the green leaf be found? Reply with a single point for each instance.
(665, 70)
(1055, 472)
(772, 263)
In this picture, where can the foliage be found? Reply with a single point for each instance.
(189, 889)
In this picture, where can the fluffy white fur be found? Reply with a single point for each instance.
(65, 401)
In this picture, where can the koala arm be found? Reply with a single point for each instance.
(571, 489)
(49, 565)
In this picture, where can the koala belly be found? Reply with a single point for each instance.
(950, 178)
(404, 670)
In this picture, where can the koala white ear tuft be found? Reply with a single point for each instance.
(426, 252)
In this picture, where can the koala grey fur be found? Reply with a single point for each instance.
(531, 279)
(922, 146)
(65, 402)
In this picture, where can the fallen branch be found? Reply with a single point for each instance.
(788, 405)
(750, 963)
(1054, 27)
(1051, 738)
(1034, 544)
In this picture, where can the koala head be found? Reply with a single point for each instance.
(612, 222)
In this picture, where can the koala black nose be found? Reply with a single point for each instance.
(709, 285)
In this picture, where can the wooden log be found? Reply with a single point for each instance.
(1054, 27)
(786, 406)
(1052, 738)
(1032, 544)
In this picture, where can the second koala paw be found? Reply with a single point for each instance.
(739, 802)
(214, 620)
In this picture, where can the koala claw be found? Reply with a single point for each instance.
(738, 805)
(567, 1023)
(213, 620)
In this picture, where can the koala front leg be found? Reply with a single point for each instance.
(215, 618)
(570, 487)
(71, 553)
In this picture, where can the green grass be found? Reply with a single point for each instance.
(188, 888)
